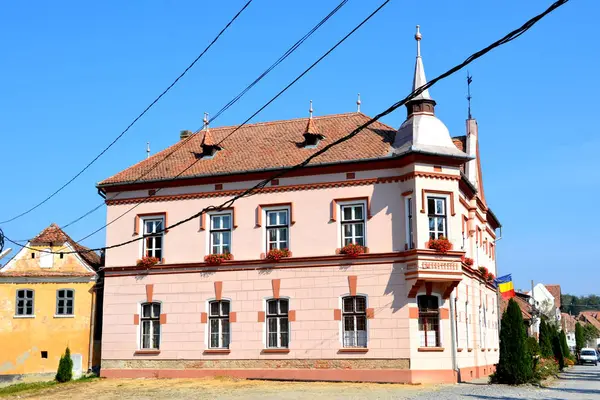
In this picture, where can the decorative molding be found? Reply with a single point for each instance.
(451, 194)
(163, 319)
(350, 175)
(203, 318)
(136, 220)
(275, 351)
(359, 350)
(276, 284)
(216, 351)
(232, 316)
(136, 319)
(261, 316)
(337, 314)
(334, 206)
(465, 204)
(370, 313)
(149, 292)
(275, 182)
(407, 193)
(352, 281)
(291, 315)
(218, 290)
(146, 352)
(430, 349)
(413, 313)
(259, 212)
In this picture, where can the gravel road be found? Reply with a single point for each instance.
(580, 382)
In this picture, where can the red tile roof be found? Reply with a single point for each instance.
(264, 146)
(590, 317)
(521, 302)
(567, 322)
(54, 235)
(555, 292)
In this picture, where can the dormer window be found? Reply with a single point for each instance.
(311, 140)
(209, 145)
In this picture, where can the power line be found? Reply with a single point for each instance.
(253, 115)
(249, 192)
(133, 122)
(286, 54)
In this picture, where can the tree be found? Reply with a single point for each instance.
(545, 339)
(515, 366)
(65, 367)
(590, 334)
(579, 338)
(564, 346)
(557, 350)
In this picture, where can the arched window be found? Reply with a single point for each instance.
(219, 324)
(354, 310)
(150, 321)
(429, 321)
(278, 327)
(65, 299)
(24, 302)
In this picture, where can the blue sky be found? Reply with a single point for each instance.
(74, 74)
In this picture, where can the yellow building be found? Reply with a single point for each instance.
(48, 302)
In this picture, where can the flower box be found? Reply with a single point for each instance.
(468, 261)
(217, 259)
(277, 254)
(490, 277)
(484, 272)
(441, 245)
(147, 262)
(352, 250)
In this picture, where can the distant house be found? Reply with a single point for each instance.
(547, 300)
(567, 323)
(523, 301)
(591, 317)
(48, 302)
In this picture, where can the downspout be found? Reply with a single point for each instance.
(92, 326)
(453, 335)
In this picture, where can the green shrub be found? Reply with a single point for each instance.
(515, 366)
(545, 339)
(545, 368)
(579, 339)
(65, 367)
(558, 354)
(564, 345)
(533, 346)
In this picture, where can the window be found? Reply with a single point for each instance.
(482, 326)
(219, 324)
(277, 229)
(409, 223)
(25, 302)
(64, 301)
(278, 327)
(353, 224)
(354, 315)
(44, 354)
(153, 242)
(220, 234)
(429, 321)
(150, 326)
(456, 322)
(467, 323)
(436, 211)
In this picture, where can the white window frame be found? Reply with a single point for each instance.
(341, 222)
(341, 329)
(278, 318)
(440, 320)
(265, 232)
(445, 216)
(65, 299)
(220, 317)
(143, 245)
(211, 230)
(140, 329)
(409, 206)
(32, 315)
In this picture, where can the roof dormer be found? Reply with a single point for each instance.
(210, 146)
(311, 133)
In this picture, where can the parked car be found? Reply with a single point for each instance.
(588, 356)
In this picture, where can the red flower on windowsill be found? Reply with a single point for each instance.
(441, 245)
(484, 272)
(353, 250)
(490, 277)
(147, 262)
(217, 259)
(277, 254)
(468, 261)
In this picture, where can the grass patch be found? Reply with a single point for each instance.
(35, 386)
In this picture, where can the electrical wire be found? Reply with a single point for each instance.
(250, 191)
(156, 100)
(286, 54)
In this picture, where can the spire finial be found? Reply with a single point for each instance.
(205, 120)
(147, 150)
(469, 80)
(418, 37)
(358, 103)
(310, 110)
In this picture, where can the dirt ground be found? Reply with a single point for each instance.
(221, 388)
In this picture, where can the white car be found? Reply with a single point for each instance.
(588, 356)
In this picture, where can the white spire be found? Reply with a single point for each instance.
(310, 110)
(419, 78)
(205, 120)
(358, 102)
(147, 149)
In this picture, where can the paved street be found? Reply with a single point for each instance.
(581, 382)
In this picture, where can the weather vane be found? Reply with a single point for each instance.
(469, 80)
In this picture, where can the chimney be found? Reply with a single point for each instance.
(184, 134)
(471, 150)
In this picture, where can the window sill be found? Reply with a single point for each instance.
(459, 350)
(63, 316)
(23, 316)
(353, 350)
(217, 351)
(469, 350)
(482, 349)
(431, 349)
(275, 351)
(146, 352)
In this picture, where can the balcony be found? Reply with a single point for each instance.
(427, 267)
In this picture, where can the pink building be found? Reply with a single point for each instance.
(398, 311)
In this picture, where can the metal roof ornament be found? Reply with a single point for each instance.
(358, 103)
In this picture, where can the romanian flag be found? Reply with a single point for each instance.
(505, 285)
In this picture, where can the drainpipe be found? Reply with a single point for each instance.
(92, 325)
(453, 336)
